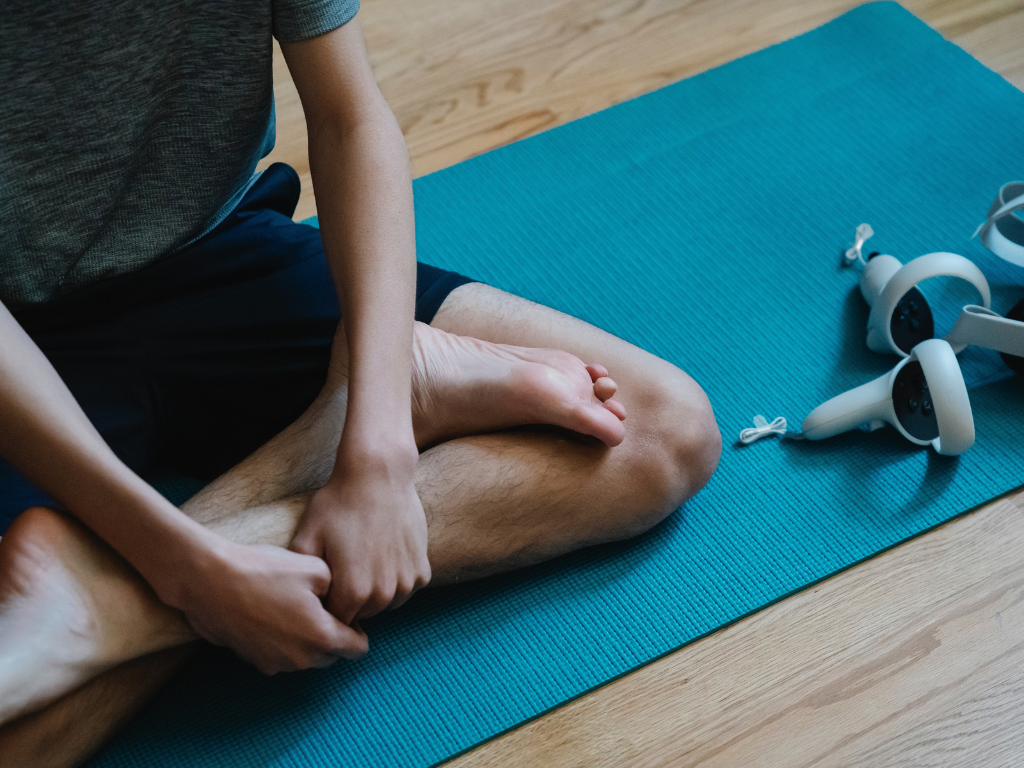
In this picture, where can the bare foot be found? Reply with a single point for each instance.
(70, 608)
(464, 386)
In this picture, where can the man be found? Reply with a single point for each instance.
(162, 308)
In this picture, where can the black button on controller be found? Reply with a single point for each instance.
(912, 402)
(911, 321)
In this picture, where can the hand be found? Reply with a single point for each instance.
(367, 522)
(264, 603)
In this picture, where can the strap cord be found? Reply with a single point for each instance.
(762, 428)
(853, 253)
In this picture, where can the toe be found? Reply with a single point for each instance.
(605, 388)
(597, 421)
(617, 408)
(597, 372)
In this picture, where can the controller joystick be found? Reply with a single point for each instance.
(924, 397)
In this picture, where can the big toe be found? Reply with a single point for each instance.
(596, 420)
(617, 408)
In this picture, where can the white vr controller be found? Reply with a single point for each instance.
(901, 317)
(924, 397)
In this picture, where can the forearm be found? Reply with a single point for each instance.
(367, 522)
(364, 197)
(48, 437)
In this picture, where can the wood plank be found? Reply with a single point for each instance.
(914, 658)
(466, 77)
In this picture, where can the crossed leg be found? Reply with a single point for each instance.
(493, 501)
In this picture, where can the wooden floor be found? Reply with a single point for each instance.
(915, 658)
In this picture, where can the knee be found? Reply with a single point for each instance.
(677, 445)
(37, 519)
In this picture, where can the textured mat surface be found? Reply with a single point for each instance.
(703, 222)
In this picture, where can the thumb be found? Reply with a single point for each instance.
(350, 642)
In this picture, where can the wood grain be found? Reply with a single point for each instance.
(466, 76)
(915, 658)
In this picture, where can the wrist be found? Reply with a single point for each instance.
(376, 457)
(188, 557)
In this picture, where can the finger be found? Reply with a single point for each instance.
(406, 588)
(344, 601)
(346, 614)
(425, 573)
(322, 662)
(378, 601)
(269, 663)
(617, 408)
(596, 372)
(351, 642)
(304, 545)
(319, 575)
(605, 388)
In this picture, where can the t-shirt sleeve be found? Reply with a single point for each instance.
(296, 20)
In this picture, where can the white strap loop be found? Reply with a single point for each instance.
(762, 428)
(1003, 232)
(985, 328)
(864, 231)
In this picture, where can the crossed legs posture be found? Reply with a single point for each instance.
(493, 501)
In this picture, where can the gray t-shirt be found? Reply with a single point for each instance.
(129, 128)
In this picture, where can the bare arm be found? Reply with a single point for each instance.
(367, 522)
(51, 441)
(261, 601)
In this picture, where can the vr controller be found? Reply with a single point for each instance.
(924, 397)
(901, 317)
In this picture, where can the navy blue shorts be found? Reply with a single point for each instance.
(193, 362)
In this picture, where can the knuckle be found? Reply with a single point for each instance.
(301, 544)
(360, 592)
(297, 660)
(321, 577)
(322, 638)
(423, 578)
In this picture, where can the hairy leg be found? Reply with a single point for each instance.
(493, 501)
(503, 500)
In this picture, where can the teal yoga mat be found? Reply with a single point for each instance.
(703, 222)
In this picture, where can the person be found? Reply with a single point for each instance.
(366, 424)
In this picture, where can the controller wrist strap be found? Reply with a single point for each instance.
(762, 428)
(1003, 232)
(985, 328)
